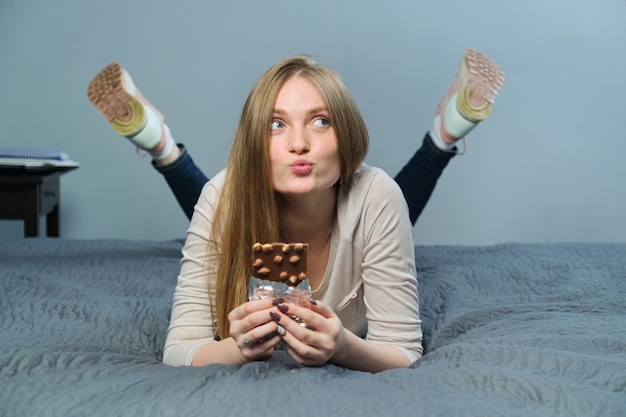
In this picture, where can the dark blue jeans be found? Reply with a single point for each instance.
(185, 180)
(417, 179)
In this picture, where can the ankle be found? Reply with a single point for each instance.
(436, 136)
(173, 156)
(164, 150)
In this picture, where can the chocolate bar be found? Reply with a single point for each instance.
(280, 262)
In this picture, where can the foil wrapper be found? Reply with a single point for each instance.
(259, 289)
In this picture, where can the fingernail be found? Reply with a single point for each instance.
(312, 301)
(277, 301)
(281, 330)
(274, 316)
(282, 308)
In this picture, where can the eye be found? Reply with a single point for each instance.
(321, 122)
(277, 124)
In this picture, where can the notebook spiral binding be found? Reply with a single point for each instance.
(30, 153)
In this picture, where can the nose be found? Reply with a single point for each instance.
(299, 141)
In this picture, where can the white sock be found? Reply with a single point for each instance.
(453, 122)
(150, 136)
(435, 134)
(170, 144)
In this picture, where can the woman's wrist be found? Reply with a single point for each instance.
(343, 349)
(360, 354)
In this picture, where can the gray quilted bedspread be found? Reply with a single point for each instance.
(510, 330)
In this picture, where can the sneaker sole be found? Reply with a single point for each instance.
(122, 109)
(481, 80)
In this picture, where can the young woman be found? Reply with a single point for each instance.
(296, 174)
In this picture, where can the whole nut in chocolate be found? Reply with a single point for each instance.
(280, 262)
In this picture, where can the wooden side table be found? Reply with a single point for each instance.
(27, 194)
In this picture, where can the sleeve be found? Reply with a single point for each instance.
(191, 322)
(389, 275)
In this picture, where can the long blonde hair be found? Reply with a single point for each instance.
(247, 210)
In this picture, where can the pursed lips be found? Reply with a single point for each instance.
(301, 167)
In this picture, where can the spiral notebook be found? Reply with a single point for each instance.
(34, 158)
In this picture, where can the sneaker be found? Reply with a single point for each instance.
(115, 95)
(471, 97)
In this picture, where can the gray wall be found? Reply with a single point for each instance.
(547, 166)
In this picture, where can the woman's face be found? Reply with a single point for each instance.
(303, 145)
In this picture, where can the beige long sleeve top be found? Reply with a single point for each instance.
(370, 280)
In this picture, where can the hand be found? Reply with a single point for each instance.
(253, 330)
(315, 344)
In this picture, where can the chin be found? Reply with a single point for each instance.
(295, 191)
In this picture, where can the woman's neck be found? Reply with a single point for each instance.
(308, 220)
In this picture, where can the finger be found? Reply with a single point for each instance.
(316, 318)
(303, 354)
(253, 347)
(250, 307)
(259, 335)
(255, 315)
(266, 344)
(294, 333)
(315, 342)
(321, 308)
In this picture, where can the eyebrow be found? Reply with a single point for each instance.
(311, 111)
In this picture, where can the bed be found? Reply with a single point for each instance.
(510, 330)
